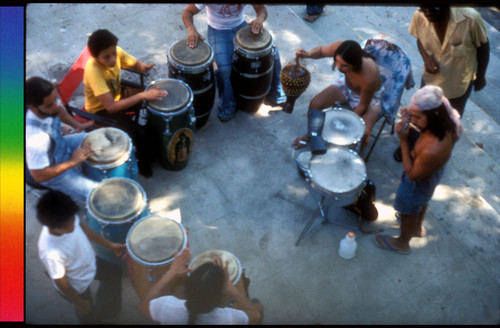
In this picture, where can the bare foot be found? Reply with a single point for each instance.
(311, 18)
(388, 243)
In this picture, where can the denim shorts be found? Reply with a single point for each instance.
(412, 195)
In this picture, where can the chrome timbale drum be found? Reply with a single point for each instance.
(302, 162)
(172, 122)
(343, 128)
(112, 155)
(152, 243)
(195, 67)
(339, 174)
(112, 207)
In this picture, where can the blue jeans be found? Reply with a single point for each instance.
(315, 9)
(72, 182)
(222, 44)
(412, 195)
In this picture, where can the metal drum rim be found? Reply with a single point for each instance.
(344, 110)
(181, 111)
(125, 157)
(154, 264)
(238, 277)
(172, 60)
(116, 222)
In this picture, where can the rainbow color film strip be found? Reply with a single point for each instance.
(11, 164)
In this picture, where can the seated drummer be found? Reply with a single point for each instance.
(103, 92)
(224, 20)
(359, 84)
(53, 159)
(204, 289)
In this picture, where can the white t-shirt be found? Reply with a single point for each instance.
(38, 142)
(223, 16)
(169, 310)
(70, 254)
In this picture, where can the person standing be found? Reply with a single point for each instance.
(439, 129)
(224, 21)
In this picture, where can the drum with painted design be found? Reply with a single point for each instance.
(112, 208)
(252, 67)
(195, 67)
(112, 155)
(343, 128)
(152, 244)
(172, 123)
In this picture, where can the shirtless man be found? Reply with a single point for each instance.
(359, 85)
(440, 127)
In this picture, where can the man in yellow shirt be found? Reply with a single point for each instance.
(453, 43)
(103, 91)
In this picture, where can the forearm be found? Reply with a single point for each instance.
(66, 118)
(187, 19)
(163, 287)
(68, 291)
(483, 58)
(242, 302)
(261, 13)
(52, 171)
(95, 237)
(406, 157)
(124, 103)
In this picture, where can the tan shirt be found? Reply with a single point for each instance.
(457, 56)
(99, 79)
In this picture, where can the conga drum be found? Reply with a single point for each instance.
(152, 244)
(172, 123)
(195, 67)
(343, 128)
(112, 207)
(112, 155)
(339, 175)
(252, 67)
(234, 269)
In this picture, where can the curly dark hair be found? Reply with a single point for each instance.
(100, 40)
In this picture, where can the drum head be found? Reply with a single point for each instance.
(340, 170)
(155, 239)
(116, 199)
(187, 56)
(302, 161)
(343, 127)
(179, 96)
(233, 267)
(249, 41)
(108, 145)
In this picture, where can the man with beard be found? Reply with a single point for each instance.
(359, 84)
(439, 128)
(52, 158)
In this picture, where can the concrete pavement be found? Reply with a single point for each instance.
(241, 191)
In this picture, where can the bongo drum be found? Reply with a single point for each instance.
(339, 174)
(252, 68)
(195, 67)
(172, 123)
(152, 243)
(112, 207)
(234, 268)
(112, 156)
(343, 128)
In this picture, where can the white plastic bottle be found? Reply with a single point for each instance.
(348, 246)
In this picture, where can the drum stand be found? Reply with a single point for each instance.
(323, 210)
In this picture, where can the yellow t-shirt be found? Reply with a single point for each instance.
(99, 79)
(457, 56)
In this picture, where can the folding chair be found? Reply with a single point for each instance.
(395, 69)
(72, 80)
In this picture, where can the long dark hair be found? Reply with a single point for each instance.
(204, 290)
(352, 53)
(439, 121)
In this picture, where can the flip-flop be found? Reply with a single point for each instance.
(388, 247)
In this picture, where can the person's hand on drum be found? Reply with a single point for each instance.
(81, 154)
(117, 249)
(154, 94)
(180, 264)
(218, 261)
(193, 38)
(84, 126)
(257, 25)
